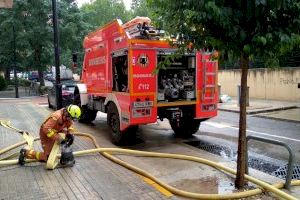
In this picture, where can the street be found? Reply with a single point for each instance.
(227, 123)
(224, 129)
(95, 177)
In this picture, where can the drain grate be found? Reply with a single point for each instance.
(212, 148)
(262, 163)
(282, 171)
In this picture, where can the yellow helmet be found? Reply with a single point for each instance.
(74, 111)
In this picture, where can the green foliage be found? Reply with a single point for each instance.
(265, 29)
(43, 89)
(24, 82)
(72, 31)
(291, 59)
(101, 12)
(34, 33)
(167, 61)
(3, 84)
(141, 8)
(21, 82)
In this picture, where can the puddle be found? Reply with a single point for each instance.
(259, 162)
(209, 185)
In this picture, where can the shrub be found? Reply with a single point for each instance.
(24, 82)
(43, 89)
(21, 82)
(3, 83)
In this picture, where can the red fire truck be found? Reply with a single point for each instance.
(119, 78)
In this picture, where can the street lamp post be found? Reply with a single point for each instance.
(58, 95)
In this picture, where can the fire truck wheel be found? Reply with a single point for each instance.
(87, 115)
(187, 127)
(131, 133)
(113, 122)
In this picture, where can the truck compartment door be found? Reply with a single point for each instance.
(143, 86)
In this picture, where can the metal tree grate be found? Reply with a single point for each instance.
(281, 172)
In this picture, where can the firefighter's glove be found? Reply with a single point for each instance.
(69, 139)
(61, 138)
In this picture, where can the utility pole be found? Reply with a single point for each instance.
(15, 62)
(58, 95)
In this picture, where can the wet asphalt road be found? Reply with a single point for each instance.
(224, 129)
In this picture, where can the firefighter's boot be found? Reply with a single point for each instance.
(22, 156)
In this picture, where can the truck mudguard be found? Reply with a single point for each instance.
(83, 93)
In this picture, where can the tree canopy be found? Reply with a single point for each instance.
(34, 33)
(100, 12)
(265, 28)
(141, 8)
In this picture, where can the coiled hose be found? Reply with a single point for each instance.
(106, 152)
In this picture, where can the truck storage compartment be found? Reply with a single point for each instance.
(176, 82)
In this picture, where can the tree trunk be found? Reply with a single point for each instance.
(7, 74)
(241, 162)
(41, 77)
(40, 71)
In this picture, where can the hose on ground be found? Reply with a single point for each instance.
(106, 152)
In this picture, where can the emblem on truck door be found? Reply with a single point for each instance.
(143, 60)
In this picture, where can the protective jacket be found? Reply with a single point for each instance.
(49, 133)
(55, 124)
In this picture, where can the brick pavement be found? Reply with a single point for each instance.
(92, 177)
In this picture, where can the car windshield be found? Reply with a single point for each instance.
(69, 88)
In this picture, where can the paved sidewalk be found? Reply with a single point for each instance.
(279, 110)
(93, 177)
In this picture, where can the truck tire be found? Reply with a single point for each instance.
(87, 115)
(119, 137)
(113, 121)
(187, 127)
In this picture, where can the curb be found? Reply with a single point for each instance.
(259, 111)
(278, 119)
(26, 97)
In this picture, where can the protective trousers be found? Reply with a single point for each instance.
(47, 144)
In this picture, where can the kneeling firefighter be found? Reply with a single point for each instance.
(56, 128)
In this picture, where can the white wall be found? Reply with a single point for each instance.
(277, 84)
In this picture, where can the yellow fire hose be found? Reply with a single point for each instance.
(54, 156)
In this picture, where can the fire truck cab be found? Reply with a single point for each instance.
(119, 78)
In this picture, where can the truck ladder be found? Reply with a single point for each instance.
(209, 81)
